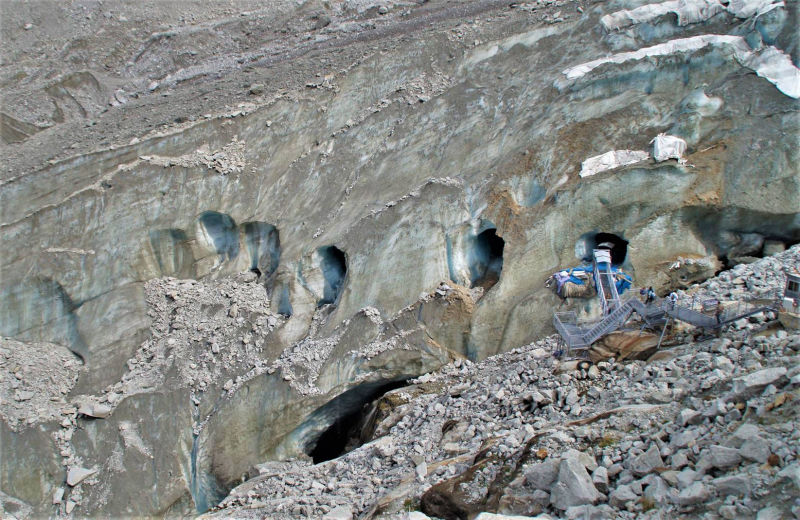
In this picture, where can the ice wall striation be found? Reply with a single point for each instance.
(394, 187)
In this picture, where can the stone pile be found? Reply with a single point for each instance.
(706, 427)
(35, 379)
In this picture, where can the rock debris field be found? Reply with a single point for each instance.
(706, 428)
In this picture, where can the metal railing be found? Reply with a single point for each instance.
(578, 337)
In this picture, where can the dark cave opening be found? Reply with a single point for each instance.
(486, 259)
(333, 263)
(602, 240)
(353, 411)
(749, 247)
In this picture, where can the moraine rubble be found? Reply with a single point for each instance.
(706, 428)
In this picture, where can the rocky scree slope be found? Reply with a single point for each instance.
(706, 428)
(203, 399)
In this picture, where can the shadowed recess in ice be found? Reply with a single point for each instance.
(485, 257)
(263, 245)
(173, 252)
(219, 231)
(334, 269)
(602, 240)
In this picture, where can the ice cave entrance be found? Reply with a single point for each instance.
(602, 240)
(486, 259)
(334, 269)
(220, 232)
(355, 413)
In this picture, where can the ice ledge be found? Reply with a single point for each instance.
(688, 11)
(769, 62)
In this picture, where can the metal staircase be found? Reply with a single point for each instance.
(604, 280)
(578, 337)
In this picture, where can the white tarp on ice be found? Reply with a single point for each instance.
(611, 160)
(769, 63)
(668, 147)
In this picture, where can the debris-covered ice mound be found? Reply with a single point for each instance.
(706, 426)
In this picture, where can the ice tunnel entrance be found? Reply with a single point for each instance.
(334, 269)
(601, 240)
(219, 232)
(353, 411)
(486, 259)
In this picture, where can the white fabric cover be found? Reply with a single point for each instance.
(668, 147)
(611, 160)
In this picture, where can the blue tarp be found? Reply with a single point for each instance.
(573, 275)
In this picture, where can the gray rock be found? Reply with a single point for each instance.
(756, 450)
(540, 497)
(256, 89)
(694, 494)
(753, 383)
(415, 515)
(422, 471)
(745, 433)
(574, 486)
(658, 491)
(736, 485)
(584, 458)
(23, 395)
(76, 475)
(621, 496)
(683, 439)
(686, 478)
(679, 460)
(670, 477)
(572, 397)
(589, 512)
(647, 461)
(770, 513)
(339, 513)
(689, 416)
(495, 516)
(600, 479)
(96, 410)
(542, 475)
(720, 457)
(791, 472)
